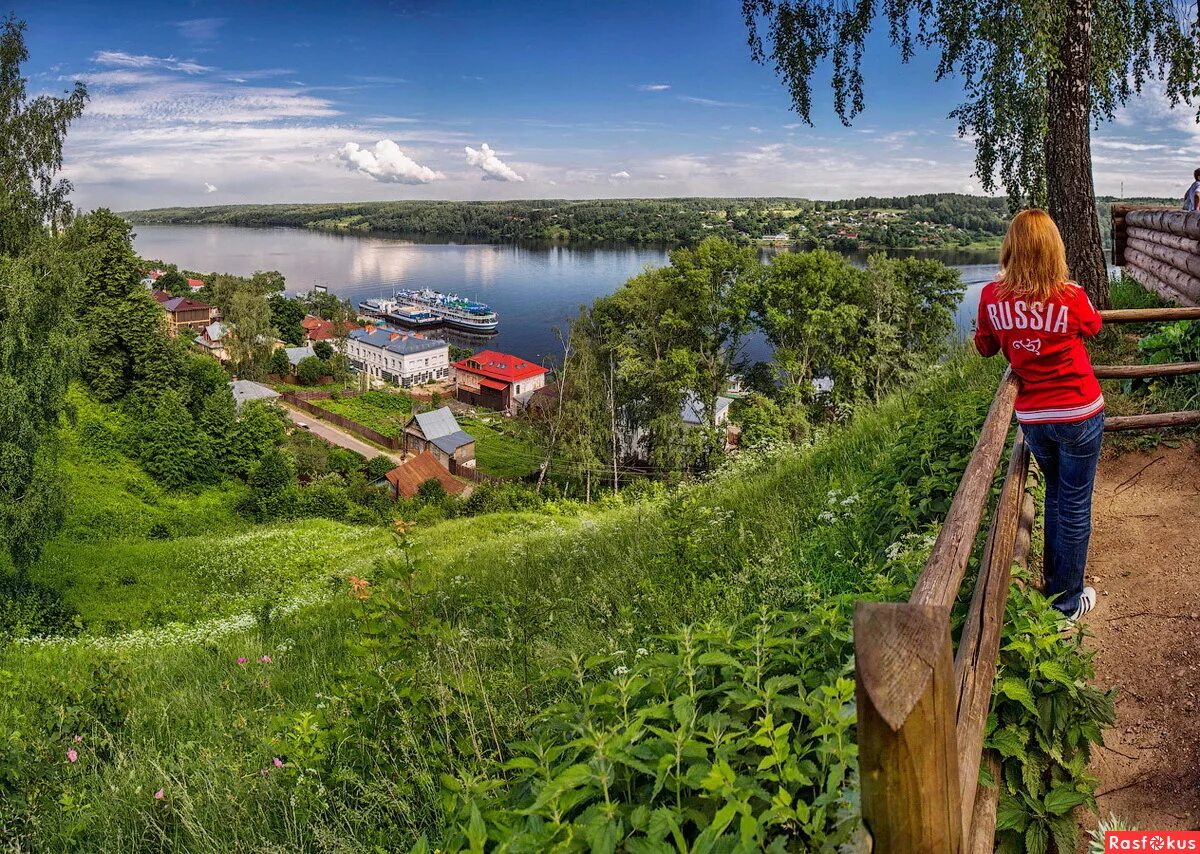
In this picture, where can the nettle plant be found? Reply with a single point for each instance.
(1045, 719)
(729, 739)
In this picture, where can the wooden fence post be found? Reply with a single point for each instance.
(907, 750)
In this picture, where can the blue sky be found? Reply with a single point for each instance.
(212, 103)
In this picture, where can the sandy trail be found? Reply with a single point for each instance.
(1144, 562)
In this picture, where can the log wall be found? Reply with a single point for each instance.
(1160, 248)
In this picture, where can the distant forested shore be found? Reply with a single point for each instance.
(931, 221)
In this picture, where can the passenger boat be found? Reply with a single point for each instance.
(451, 309)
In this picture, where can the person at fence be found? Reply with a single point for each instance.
(1038, 318)
(1190, 201)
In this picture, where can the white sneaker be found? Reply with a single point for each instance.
(1087, 601)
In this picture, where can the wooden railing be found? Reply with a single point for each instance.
(922, 705)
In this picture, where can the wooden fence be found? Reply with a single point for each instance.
(293, 399)
(923, 705)
(1160, 248)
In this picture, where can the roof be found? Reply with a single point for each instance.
(174, 304)
(493, 384)
(398, 342)
(320, 329)
(692, 409)
(216, 330)
(408, 477)
(244, 390)
(437, 422)
(297, 354)
(195, 283)
(451, 442)
(500, 366)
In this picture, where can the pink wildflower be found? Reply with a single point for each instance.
(266, 659)
(241, 659)
(72, 755)
(78, 739)
(159, 795)
(278, 763)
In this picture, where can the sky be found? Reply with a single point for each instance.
(204, 103)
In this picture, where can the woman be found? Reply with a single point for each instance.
(1039, 319)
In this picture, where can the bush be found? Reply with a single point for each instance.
(28, 608)
(343, 461)
(324, 350)
(379, 466)
(310, 370)
(326, 497)
(280, 364)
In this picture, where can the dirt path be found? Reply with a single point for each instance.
(1145, 564)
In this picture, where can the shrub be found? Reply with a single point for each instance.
(324, 350)
(379, 466)
(343, 461)
(28, 608)
(280, 364)
(310, 370)
(326, 497)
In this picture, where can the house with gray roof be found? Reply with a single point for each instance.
(438, 433)
(298, 354)
(403, 358)
(693, 413)
(245, 391)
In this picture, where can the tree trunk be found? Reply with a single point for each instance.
(1070, 192)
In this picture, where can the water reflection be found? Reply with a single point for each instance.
(535, 288)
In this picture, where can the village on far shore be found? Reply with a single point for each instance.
(417, 367)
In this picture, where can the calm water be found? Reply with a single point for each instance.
(533, 288)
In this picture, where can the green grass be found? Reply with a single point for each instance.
(511, 595)
(498, 450)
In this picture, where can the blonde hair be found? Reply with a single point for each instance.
(1033, 260)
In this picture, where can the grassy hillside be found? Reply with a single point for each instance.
(494, 605)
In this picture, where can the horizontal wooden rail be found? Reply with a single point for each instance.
(1147, 315)
(979, 645)
(1152, 421)
(947, 563)
(1135, 372)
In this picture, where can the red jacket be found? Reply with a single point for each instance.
(1043, 341)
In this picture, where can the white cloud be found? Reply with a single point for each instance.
(200, 29)
(652, 87)
(708, 102)
(133, 60)
(494, 169)
(386, 163)
(619, 176)
(209, 188)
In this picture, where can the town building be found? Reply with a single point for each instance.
(195, 284)
(245, 391)
(320, 329)
(497, 380)
(397, 357)
(438, 433)
(405, 480)
(184, 312)
(694, 415)
(296, 355)
(213, 338)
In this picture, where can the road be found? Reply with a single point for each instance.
(337, 436)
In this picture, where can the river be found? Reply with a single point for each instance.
(535, 289)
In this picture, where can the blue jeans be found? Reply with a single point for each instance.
(1067, 455)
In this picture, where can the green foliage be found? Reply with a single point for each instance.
(170, 446)
(174, 283)
(28, 607)
(324, 350)
(272, 487)
(1045, 718)
(310, 370)
(280, 366)
(729, 738)
(286, 315)
(379, 466)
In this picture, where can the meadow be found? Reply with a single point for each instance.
(256, 733)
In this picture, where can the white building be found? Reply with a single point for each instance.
(398, 357)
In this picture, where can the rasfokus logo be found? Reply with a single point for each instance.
(1152, 840)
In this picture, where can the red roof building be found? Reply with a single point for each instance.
(497, 380)
(320, 329)
(184, 311)
(406, 479)
(195, 284)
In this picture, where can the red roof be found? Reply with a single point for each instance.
(408, 477)
(499, 366)
(493, 384)
(320, 329)
(195, 283)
